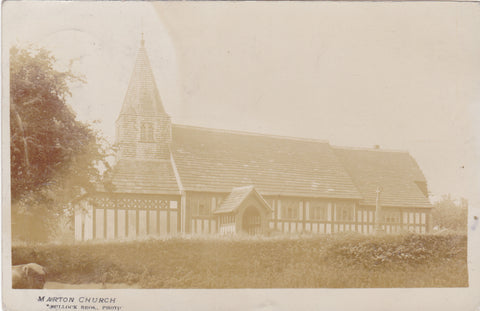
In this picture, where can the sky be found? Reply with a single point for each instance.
(405, 76)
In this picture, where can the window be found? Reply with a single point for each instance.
(344, 211)
(227, 219)
(200, 205)
(289, 209)
(392, 217)
(146, 132)
(319, 210)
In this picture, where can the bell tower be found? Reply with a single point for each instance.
(143, 128)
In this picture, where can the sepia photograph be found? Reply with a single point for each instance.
(263, 151)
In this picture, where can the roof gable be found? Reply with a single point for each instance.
(238, 196)
(403, 183)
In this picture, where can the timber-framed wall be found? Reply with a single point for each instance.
(310, 215)
(127, 216)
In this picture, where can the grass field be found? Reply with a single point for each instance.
(330, 261)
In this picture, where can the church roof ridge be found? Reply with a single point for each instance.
(373, 149)
(256, 134)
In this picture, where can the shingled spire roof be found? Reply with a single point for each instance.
(142, 96)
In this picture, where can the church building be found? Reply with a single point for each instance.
(177, 179)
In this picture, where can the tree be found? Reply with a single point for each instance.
(54, 157)
(450, 214)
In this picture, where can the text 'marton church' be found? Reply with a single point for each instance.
(172, 179)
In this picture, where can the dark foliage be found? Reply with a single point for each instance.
(54, 157)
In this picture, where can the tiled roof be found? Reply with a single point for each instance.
(396, 172)
(215, 160)
(144, 176)
(142, 94)
(236, 198)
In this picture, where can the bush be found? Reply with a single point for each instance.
(450, 214)
(340, 260)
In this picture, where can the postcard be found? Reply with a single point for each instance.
(240, 155)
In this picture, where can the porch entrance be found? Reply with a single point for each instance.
(244, 210)
(252, 221)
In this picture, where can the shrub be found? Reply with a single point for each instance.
(449, 214)
(339, 260)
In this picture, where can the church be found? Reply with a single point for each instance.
(174, 179)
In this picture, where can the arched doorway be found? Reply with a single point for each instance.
(252, 221)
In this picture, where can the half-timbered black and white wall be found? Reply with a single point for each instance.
(126, 217)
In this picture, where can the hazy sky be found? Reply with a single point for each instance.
(401, 75)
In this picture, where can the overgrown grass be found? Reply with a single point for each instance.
(330, 261)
